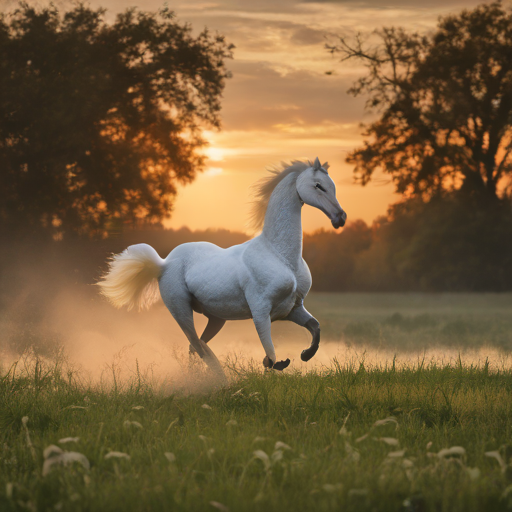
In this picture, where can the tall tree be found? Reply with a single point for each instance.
(98, 121)
(445, 104)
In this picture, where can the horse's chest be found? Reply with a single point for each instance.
(291, 292)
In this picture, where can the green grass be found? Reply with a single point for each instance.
(227, 443)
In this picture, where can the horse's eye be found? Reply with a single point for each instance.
(320, 187)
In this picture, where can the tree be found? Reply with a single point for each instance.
(99, 121)
(446, 106)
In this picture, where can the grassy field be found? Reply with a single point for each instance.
(414, 321)
(350, 438)
(354, 436)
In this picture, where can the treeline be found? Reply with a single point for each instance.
(444, 245)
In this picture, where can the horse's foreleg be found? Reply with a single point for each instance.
(301, 316)
(262, 323)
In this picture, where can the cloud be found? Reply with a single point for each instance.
(260, 95)
(386, 4)
(308, 36)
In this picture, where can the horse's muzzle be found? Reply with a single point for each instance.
(339, 220)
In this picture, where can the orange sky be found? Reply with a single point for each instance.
(280, 105)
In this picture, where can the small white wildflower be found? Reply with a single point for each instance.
(408, 466)
(56, 459)
(51, 451)
(260, 454)
(386, 421)
(454, 451)
(281, 446)
(205, 406)
(24, 420)
(135, 424)
(232, 423)
(391, 441)
(276, 456)
(170, 456)
(332, 487)
(117, 455)
(65, 440)
(219, 506)
(496, 455)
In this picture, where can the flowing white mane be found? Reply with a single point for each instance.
(263, 188)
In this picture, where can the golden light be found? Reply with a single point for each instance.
(213, 171)
(215, 154)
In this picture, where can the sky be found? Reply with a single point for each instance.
(281, 105)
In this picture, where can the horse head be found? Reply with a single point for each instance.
(316, 188)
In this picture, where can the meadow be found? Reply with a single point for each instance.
(416, 430)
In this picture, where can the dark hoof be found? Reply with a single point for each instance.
(281, 365)
(308, 353)
(267, 362)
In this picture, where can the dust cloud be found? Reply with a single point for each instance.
(104, 345)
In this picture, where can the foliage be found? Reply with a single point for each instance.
(332, 258)
(447, 244)
(446, 105)
(99, 121)
(353, 437)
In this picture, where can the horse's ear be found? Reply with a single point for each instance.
(326, 166)
(316, 165)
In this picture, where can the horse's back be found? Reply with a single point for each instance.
(210, 275)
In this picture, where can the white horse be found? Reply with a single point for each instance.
(265, 279)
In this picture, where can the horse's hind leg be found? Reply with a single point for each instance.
(301, 316)
(184, 315)
(213, 327)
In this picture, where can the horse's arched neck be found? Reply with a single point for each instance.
(283, 225)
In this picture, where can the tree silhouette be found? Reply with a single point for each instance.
(445, 101)
(98, 121)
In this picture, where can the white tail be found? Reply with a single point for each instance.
(132, 276)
